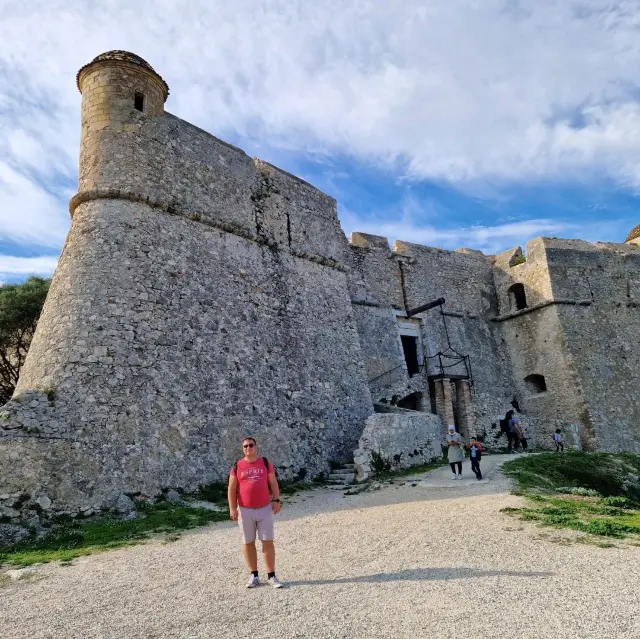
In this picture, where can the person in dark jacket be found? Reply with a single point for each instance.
(512, 437)
(475, 454)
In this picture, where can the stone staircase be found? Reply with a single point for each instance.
(342, 477)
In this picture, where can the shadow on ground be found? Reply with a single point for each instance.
(420, 574)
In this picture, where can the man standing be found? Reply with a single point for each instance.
(250, 481)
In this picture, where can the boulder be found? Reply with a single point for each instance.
(12, 533)
(124, 505)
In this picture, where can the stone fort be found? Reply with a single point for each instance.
(203, 295)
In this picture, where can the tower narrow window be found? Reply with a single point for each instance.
(138, 101)
(518, 297)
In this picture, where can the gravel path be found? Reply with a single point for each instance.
(433, 559)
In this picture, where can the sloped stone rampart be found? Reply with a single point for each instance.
(162, 343)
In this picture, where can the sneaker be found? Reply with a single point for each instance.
(253, 582)
(454, 476)
(273, 581)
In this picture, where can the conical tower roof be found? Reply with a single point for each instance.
(123, 56)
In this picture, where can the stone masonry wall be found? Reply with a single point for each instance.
(164, 342)
(402, 438)
(376, 292)
(603, 338)
(200, 296)
(465, 279)
(537, 346)
(384, 281)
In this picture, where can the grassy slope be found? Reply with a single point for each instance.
(77, 538)
(581, 491)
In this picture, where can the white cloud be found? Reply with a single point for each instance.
(28, 213)
(488, 239)
(463, 91)
(14, 266)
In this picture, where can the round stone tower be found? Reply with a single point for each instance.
(119, 91)
(634, 236)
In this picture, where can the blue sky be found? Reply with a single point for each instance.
(453, 123)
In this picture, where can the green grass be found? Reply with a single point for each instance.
(579, 491)
(76, 538)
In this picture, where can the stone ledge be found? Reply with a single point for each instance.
(234, 229)
(537, 307)
(371, 304)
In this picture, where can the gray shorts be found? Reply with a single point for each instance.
(256, 520)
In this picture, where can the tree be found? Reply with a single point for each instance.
(20, 308)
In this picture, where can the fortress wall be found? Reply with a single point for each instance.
(376, 291)
(531, 273)
(173, 162)
(375, 274)
(537, 346)
(381, 346)
(464, 278)
(297, 215)
(603, 339)
(164, 341)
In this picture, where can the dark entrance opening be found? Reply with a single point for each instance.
(535, 383)
(432, 397)
(518, 297)
(412, 402)
(410, 348)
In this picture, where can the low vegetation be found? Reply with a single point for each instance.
(20, 308)
(74, 538)
(383, 468)
(71, 538)
(594, 493)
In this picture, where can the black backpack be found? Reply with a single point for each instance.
(264, 459)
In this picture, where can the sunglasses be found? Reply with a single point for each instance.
(247, 445)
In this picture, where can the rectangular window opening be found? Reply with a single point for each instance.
(410, 348)
(138, 101)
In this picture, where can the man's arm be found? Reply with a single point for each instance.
(275, 491)
(232, 496)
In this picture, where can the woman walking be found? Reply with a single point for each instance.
(455, 453)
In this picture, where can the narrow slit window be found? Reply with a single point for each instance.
(138, 101)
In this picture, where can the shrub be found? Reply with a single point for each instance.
(379, 464)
